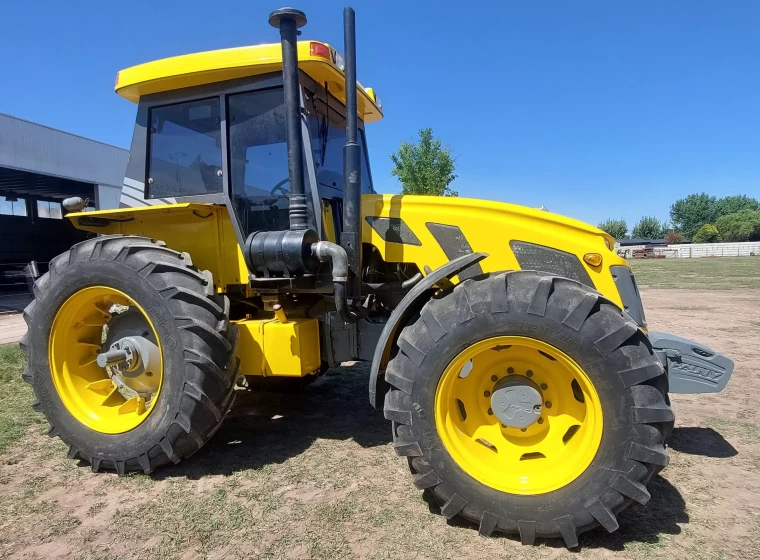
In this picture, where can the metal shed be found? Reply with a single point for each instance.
(40, 167)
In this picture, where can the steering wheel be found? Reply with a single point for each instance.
(278, 190)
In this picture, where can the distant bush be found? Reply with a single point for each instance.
(674, 237)
(616, 228)
(649, 227)
(740, 226)
(708, 233)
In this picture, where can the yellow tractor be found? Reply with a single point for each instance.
(508, 345)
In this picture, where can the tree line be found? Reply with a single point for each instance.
(427, 167)
(700, 218)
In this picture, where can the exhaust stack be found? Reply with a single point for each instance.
(288, 20)
(350, 239)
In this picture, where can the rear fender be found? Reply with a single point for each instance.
(412, 302)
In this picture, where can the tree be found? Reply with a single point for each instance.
(740, 226)
(425, 167)
(616, 228)
(649, 227)
(691, 213)
(733, 204)
(708, 233)
(673, 237)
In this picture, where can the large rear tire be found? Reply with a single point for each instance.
(89, 294)
(551, 338)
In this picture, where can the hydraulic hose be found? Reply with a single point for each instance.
(391, 286)
(326, 251)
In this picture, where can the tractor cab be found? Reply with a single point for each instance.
(219, 134)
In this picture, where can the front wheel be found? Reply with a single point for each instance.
(528, 404)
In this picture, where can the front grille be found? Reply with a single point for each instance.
(552, 261)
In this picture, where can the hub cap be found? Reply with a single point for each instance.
(105, 359)
(518, 415)
(516, 401)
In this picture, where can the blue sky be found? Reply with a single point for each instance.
(595, 109)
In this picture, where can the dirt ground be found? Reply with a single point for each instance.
(313, 475)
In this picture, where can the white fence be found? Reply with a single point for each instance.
(697, 250)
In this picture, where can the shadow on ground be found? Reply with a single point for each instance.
(638, 524)
(268, 427)
(701, 441)
(271, 427)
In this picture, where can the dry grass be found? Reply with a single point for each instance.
(712, 273)
(313, 475)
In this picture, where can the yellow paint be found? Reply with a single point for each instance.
(279, 314)
(215, 66)
(507, 459)
(272, 348)
(488, 227)
(205, 232)
(85, 388)
(328, 222)
(202, 230)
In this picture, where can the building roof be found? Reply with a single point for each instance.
(629, 242)
(29, 147)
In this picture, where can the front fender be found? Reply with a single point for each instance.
(412, 302)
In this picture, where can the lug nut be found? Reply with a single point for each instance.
(486, 393)
(494, 378)
(548, 404)
(540, 420)
(544, 386)
(529, 373)
(523, 429)
(490, 412)
(510, 370)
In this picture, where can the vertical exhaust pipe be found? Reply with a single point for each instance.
(350, 239)
(288, 21)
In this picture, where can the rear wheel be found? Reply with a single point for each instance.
(528, 404)
(131, 355)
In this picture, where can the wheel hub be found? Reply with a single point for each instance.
(518, 415)
(133, 355)
(516, 401)
(105, 359)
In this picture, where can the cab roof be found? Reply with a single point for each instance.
(318, 60)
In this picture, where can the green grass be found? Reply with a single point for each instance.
(723, 273)
(16, 397)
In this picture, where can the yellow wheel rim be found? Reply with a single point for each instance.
(544, 456)
(100, 398)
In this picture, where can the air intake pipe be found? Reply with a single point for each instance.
(288, 20)
(326, 251)
(298, 250)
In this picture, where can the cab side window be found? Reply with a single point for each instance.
(185, 157)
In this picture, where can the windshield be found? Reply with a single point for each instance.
(259, 160)
(327, 128)
(258, 156)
